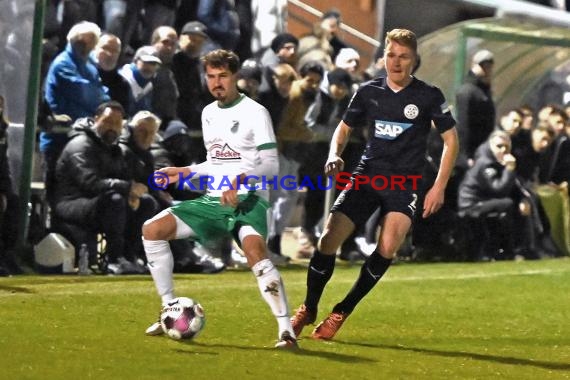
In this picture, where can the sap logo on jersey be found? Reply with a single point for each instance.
(389, 130)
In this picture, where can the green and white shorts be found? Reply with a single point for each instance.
(211, 220)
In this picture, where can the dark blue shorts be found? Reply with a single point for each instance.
(359, 204)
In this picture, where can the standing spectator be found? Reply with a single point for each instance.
(322, 117)
(139, 75)
(269, 20)
(475, 107)
(324, 43)
(245, 17)
(158, 13)
(293, 144)
(283, 49)
(193, 94)
(249, 78)
(73, 87)
(8, 203)
(92, 191)
(106, 56)
(165, 93)
(274, 94)
(222, 21)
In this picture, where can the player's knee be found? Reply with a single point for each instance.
(387, 251)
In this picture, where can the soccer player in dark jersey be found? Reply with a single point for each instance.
(398, 112)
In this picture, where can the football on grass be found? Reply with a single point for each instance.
(182, 318)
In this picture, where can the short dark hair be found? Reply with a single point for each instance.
(114, 105)
(221, 58)
(312, 67)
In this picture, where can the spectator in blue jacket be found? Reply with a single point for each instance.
(73, 87)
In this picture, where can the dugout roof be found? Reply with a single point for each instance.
(525, 53)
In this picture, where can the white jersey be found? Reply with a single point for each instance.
(233, 137)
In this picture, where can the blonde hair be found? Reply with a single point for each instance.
(403, 37)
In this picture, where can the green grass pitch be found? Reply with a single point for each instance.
(503, 320)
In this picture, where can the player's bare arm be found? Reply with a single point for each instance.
(173, 174)
(435, 196)
(335, 164)
(230, 196)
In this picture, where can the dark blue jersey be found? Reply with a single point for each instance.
(398, 124)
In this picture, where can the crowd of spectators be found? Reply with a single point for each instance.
(124, 80)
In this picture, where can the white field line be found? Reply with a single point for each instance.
(183, 284)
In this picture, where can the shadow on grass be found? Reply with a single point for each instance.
(301, 351)
(469, 355)
(15, 289)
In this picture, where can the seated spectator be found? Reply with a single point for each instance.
(93, 193)
(486, 189)
(135, 143)
(139, 75)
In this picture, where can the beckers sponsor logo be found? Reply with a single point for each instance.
(389, 130)
(219, 152)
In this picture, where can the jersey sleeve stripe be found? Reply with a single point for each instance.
(267, 146)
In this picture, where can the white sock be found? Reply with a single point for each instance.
(161, 265)
(273, 292)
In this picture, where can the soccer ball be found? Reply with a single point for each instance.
(182, 318)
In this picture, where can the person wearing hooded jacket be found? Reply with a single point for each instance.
(486, 189)
(93, 192)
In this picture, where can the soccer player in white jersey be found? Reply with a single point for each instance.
(241, 147)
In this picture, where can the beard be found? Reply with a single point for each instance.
(109, 137)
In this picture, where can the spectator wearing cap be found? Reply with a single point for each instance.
(73, 87)
(283, 49)
(193, 96)
(475, 106)
(139, 75)
(165, 91)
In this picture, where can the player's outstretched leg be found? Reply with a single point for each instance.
(372, 270)
(273, 292)
(160, 259)
(320, 270)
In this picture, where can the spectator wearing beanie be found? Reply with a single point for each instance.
(283, 50)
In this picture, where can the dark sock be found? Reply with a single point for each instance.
(372, 270)
(274, 244)
(320, 271)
